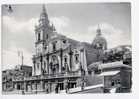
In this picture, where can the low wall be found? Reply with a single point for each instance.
(90, 89)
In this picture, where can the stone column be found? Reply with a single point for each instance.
(36, 87)
(4, 86)
(78, 81)
(46, 87)
(15, 86)
(48, 71)
(59, 61)
(24, 86)
(61, 57)
(41, 60)
(34, 67)
(66, 85)
(42, 85)
(50, 87)
(31, 86)
(70, 60)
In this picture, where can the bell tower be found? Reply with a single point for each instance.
(43, 31)
(44, 21)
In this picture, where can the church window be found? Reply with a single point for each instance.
(101, 45)
(76, 58)
(46, 36)
(118, 81)
(45, 47)
(76, 51)
(39, 36)
(65, 63)
(54, 59)
(37, 65)
(64, 41)
(44, 66)
(112, 83)
(65, 59)
(54, 46)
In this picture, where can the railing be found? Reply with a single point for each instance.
(49, 76)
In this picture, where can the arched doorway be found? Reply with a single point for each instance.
(18, 86)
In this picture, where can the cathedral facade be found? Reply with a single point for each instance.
(60, 63)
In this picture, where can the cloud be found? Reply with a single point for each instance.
(114, 36)
(10, 57)
(16, 26)
(20, 36)
(60, 23)
(17, 35)
(19, 32)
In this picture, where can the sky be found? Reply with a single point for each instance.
(78, 21)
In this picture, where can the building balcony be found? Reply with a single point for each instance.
(50, 76)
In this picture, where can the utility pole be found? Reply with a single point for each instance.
(18, 53)
(22, 58)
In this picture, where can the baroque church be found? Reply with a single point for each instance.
(55, 53)
(60, 62)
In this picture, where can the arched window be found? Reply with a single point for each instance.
(39, 36)
(47, 36)
(112, 83)
(66, 66)
(65, 59)
(118, 81)
(64, 41)
(76, 58)
(37, 65)
(45, 47)
(54, 46)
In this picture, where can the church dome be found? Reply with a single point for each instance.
(99, 41)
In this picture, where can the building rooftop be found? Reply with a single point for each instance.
(109, 73)
(113, 65)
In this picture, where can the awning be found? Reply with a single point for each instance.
(109, 73)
